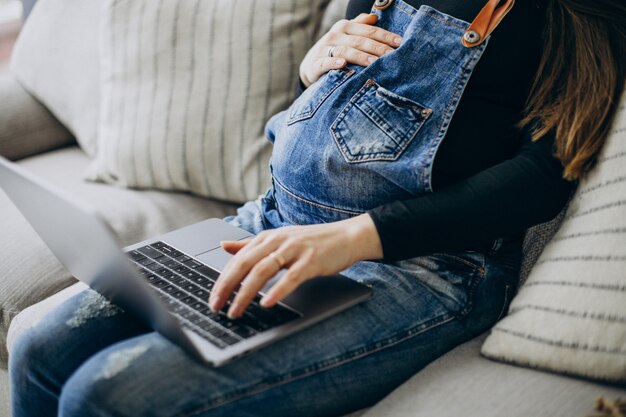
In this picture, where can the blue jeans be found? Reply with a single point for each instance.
(89, 358)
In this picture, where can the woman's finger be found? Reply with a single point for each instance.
(323, 65)
(354, 56)
(367, 45)
(372, 32)
(262, 272)
(239, 266)
(234, 246)
(366, 18)
(295, 275)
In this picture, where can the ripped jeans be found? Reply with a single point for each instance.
(89, 358)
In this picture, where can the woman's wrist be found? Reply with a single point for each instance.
(363, 239)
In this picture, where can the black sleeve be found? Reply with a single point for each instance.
(498, 202)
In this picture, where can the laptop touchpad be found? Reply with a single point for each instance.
(217, 258)
(204, 236)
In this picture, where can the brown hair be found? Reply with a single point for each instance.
(580, 79)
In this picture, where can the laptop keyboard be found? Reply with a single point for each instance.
(184, 284)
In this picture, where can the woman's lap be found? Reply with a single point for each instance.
(105, 360)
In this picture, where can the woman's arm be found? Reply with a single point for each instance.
(500, 201)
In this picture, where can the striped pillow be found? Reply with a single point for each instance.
(187, 86)
(570, 315)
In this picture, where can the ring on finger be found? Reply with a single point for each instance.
(331, 51)
(278, 258)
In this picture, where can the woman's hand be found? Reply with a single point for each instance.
(305, 251)
(354, 41)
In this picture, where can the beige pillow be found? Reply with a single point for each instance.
(56, 59)
(570, 315)
(188, 85)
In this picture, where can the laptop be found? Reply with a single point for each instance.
(166, 281)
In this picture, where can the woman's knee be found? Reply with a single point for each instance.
(89, 395)
(116, 381)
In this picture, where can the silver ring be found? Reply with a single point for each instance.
(331, 51)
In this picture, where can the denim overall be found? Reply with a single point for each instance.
(356, 139)
(362, 137)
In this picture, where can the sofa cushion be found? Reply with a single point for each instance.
(570, 315)
(29, 272)
(462, 383)
(56, 60)
(28, 128)
(187, 87)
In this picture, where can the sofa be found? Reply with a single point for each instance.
(460, 383)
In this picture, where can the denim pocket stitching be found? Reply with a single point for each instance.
(324, 365)
(294, 118)
(383, 128)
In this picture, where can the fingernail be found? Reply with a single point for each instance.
(339, 61)
(371, 59)
(397, 41)
(234, 311)
(266, 301)
(214, 304)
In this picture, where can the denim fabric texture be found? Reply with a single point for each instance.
(90, 358)
(362, 137)
(357, 138)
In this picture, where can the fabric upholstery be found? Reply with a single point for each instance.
(570, 315)
(335, 11)
(56, 60)
(535, 240)
(27, 127)
(4, 394)
(31, 273)
(461, 383)
(187, 87)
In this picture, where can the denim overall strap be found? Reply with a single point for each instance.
(486, 22)
(362, 137)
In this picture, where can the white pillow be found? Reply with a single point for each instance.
(188, 85)
(570, 315)
(56, 59)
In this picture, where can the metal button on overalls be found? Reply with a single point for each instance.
(382, 4)
(471, 36)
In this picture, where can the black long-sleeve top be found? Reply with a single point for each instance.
(489, 179)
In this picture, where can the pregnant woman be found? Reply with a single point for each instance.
(429, 135)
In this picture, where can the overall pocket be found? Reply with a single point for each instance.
(313, 97)
(377, 125)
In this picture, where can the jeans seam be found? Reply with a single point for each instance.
(482, 272)
(309, 114)
(411, 13)
(479, 267)
(317, 205)
(507, 289)
(430, 13)
(325, 365)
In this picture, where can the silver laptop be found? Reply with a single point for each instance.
(166, 281)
